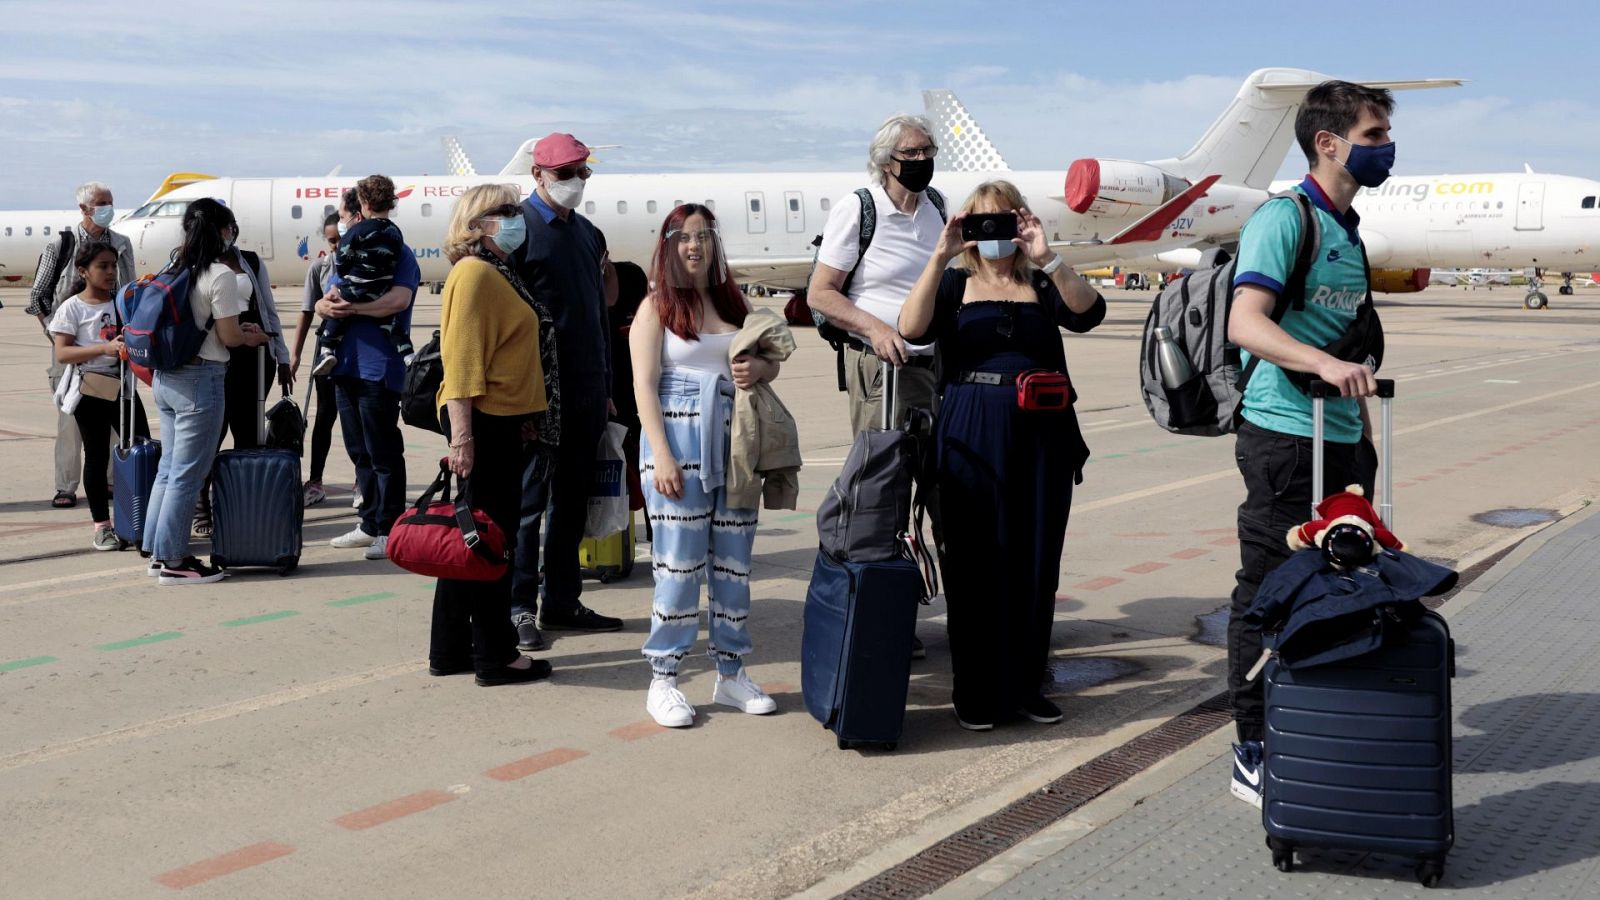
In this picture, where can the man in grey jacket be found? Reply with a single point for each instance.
(52, 284)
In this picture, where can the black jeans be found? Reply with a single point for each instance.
(97, 420)
(1277, 481)
(472, 619)
(370, 416)
(322, 426)
(242, 392)
(566, 495)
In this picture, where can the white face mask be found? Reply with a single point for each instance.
(103, 215)
(567, 194)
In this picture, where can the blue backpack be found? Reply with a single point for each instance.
(161, 332)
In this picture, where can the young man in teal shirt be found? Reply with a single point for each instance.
(1343, 129)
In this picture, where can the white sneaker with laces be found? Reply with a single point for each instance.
(667, 705)
(352, 539)
(378, 549)
(739, 692)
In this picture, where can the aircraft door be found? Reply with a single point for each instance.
(755, 213)
(252, 207)
(1530, 206)
(794, 208)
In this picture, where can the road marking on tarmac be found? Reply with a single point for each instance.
(384, 813)
(226, 864)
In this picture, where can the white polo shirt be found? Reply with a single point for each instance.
(900, 249)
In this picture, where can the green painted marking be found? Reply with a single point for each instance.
(795, 517)
(26, 663)
(264, 617)
(141, 641)
(364, 598)
(1109, 456)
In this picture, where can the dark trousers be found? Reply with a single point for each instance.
(565, 495)
(472, 619)
(369, 414)
(242, 391)
(322, 425)
(1277, 481)
(97, 420)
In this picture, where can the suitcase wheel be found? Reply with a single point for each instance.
(844, 744)
(1282, 854)
(219, 562)
(288, 567)
(888, 746)
(607, 575)
(1430, 872)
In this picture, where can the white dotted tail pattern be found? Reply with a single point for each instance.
(455, 158)
(963, 147)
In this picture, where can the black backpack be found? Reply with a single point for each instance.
(421, 390)
(837, 337)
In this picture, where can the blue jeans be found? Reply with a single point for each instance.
(190, 405)
(566, 497)
(698, 541)
(369, 414)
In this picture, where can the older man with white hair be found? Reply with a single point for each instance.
(898, 218)
(52, 284)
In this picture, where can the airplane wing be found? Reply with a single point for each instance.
(963, 145)
(778, 272)
(1151, 226)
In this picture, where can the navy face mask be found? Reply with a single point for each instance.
(1369, 166)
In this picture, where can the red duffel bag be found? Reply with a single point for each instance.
(442, 539)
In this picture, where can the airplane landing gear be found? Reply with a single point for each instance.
(1536, 298)
(1566, 285)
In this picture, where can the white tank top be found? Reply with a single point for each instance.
(708, 354)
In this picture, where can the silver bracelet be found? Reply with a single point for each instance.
(1050, 267)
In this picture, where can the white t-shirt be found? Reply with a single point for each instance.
(89, 324)
(900, 249)
(708, 354)
(215, 296)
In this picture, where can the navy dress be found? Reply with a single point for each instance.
(1007, 475)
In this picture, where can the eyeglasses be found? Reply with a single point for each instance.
(566, 172)
(701, 236)
(925, 152)
(501, 212)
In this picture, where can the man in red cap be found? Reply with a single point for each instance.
(565, 265)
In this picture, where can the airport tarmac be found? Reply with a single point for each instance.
(271, 737)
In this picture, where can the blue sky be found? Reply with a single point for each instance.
(127, 92)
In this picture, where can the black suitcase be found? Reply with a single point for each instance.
(257, 505)
(1357, 754)
(855, 651)
(133, 469)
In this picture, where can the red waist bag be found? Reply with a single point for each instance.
(448, 540)
(1041, 390)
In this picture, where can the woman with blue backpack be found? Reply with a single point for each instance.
(189, 394)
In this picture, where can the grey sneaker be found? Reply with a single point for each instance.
(528, 635)
(105, 538)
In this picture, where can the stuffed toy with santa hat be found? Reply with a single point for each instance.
(1348, 530)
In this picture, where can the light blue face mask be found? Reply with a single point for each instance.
(103, 215)
(996, 249)
(513, 231)
(342, 227)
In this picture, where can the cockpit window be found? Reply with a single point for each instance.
(173, 208)
(148, 209)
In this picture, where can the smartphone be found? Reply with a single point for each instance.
(989, 226)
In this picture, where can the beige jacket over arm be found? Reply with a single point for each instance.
(764, 452)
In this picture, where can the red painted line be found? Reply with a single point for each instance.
(522, 768)
(636, 731)
(1143, 534)
(1191, 553)
(1095, 584)
(1218, 531)
(1424, 477)
(226, 864)
(1404, 484)
(1063, 598)
(1226, 542)
(383, 813)
(1145, 568)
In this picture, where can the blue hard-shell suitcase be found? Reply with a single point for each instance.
(1357, 753)
(133, 470)
(257, 503)
(855, 652)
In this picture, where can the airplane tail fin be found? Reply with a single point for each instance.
(522, 161)
(963, 145)
(1247, 143)
(455, 158)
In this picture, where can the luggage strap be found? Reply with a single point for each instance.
(462, 518)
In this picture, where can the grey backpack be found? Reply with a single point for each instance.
(1195, 308)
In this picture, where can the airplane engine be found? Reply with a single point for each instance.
(1400, 281)
(1117, 189)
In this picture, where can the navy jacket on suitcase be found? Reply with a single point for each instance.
(257, 509)
(1358, 754)
(855, 652)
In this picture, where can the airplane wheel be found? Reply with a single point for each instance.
(1536, 300)
(1565, 290)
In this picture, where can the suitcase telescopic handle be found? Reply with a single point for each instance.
(891, 394)
(1320, 391)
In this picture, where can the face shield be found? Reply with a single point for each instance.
(694, 257)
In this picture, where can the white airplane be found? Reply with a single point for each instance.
(768, 220)
(23, 236)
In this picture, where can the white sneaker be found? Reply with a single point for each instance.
(154, 569)
(353, 538)
(740, 692)
(378, 549)
(667, 705)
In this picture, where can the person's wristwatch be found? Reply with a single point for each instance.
(1050, 267)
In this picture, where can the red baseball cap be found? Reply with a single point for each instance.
(555, 150)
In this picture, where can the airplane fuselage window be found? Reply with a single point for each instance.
(588, 207)
(327, 211)
(295, 211)
(826, 203)
(649, 206)
(676, 204)
(794, 205)
(711, 205)
(427, 209)
(622, 207)
(28, 231)
(755, 206)
(8, 231)
(47, 231)
(1588, 203)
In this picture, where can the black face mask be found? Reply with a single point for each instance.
(915, 174)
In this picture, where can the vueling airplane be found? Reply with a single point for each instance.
(769, 220)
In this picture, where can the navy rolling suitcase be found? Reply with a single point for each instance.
(257, 505)
(1357, 753)
(133, 469)
(855, 652)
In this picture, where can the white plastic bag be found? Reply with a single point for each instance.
(69, 389)
(608, 495)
